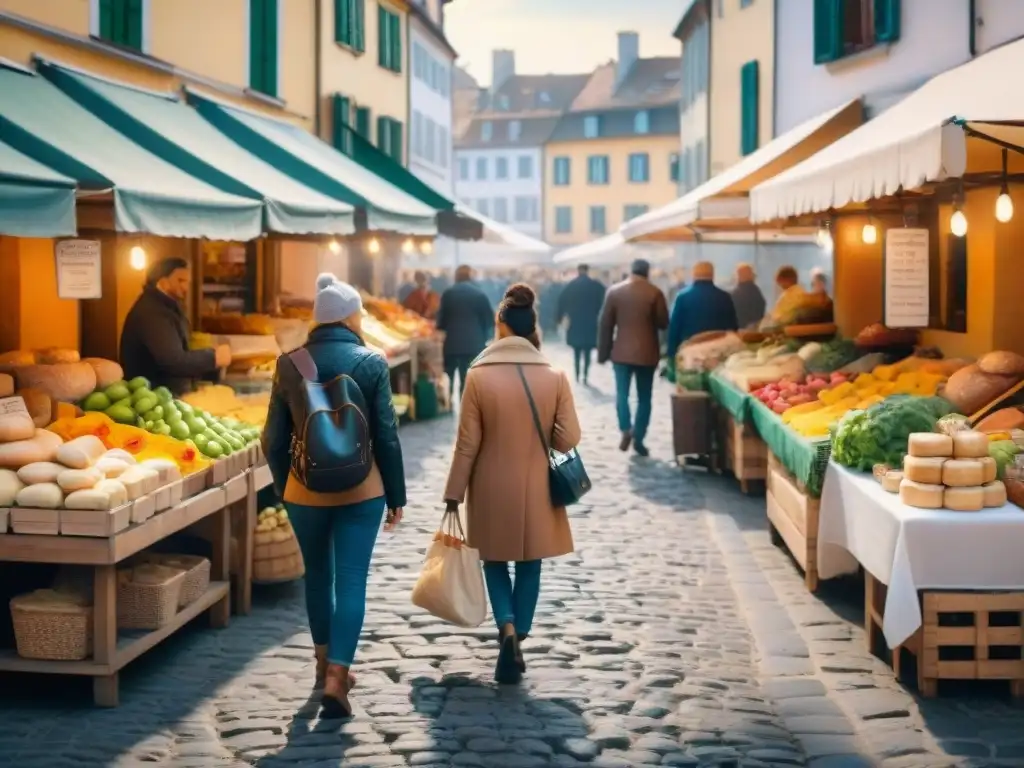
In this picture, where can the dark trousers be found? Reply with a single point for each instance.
(460, 364)
(581, 356)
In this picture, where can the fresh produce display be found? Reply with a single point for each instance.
(383, 338)
(706, 351)
(831, 356)
(271, 519)
(398, 318)
(224, 403)
(880, 434)
(57, 373)
(976, 388)
(877, 335)
(749, 369)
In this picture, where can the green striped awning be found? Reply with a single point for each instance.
(34, 200)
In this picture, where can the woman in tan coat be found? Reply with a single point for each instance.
(500, 469)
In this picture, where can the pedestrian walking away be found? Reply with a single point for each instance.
(422, 300)
(700, 308)
(466, 317)
(500, 470)
(336, 530)
(580, 302)
(747, 298)
(634, 312)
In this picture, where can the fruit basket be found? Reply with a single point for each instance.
(276, 555)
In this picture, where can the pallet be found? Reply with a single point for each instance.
(985, 629)
(742, 450)
(793, 518)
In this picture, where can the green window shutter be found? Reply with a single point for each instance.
(257, 36)
(343, 21)
(270, 52)
(358, 24)
(383, 31)
(397, 141)
(395, 22)
(887, 20)
(828, 30)
(384, 135)
(108, 19)
(749, 107)
(363, 122)
(132, 16)
(342, 118)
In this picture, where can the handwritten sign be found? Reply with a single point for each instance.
(78, 269)
(906, 278)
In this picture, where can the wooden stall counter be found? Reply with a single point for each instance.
(793, 518)
(743, 452)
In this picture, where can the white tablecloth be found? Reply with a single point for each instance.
(911, 549)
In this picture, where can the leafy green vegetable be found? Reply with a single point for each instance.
(879, 434)
(832, 356)
(1004, 452)
(692, 381)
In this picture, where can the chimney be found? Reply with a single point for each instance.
(503, 66)
(629, 52)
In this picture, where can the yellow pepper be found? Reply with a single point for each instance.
(799, 410)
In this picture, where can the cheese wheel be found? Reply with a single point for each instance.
(920, 469)
(962, 473)
(921, 495)
(969, 444)
(989, 468)
(965, 499)
(929, 444)
(995, 494)
(891, 481)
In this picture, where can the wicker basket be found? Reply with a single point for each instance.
(197, 573)
(148, 604)
(57, 632)
(277, 561)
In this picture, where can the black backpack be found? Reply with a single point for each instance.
(331, 446)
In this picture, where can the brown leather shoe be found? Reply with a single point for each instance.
(626, 440)
(334, 704)
(320, 651)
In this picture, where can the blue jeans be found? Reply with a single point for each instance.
(336, 544)
(581, 356)
(513, 605)
(644, 386)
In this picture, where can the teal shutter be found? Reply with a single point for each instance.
(887, 20)
(342, 117)
(749, 107)
(383, 49)
(358, 24)
(363, 122)
(343, 22)
(108, 13)
(395, 30)
(132, 20)
(383, 135)
(270, 51)
(828, 30)
(397, 141)
(257, 34)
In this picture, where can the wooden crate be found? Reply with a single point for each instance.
(793, 517)
(963, 636)
(743, 451)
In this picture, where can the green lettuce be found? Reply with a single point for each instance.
(879, 434)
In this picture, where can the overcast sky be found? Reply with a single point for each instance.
(562, 36)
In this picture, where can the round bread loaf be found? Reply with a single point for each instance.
(1002, 363)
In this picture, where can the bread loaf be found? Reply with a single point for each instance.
(969, 444)
(1002, 363)
(926, 444)
(969, 499)
(970, 389)
(921, 495)
(962, 473)
(1002, 420)
(923, 469)
(995, 494)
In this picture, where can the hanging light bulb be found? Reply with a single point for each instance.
(426, 247)
(824, 238)
(137, 258)
(869, 234)
(1004, 203)
(408, 246)
(958, 222)
(373, 246)
(334, 247)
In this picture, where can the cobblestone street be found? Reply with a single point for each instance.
(677, 635)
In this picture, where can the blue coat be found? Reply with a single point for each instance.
(581, 302)
(467, 319)
(336, 350)
(701, 307)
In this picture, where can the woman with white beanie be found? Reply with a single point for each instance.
(336, 530)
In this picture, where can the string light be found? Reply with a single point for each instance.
(958, 222)
(334, 247)
(137, 258)
(408, 246)
(1004, 203)
(373, 246)
(426, 247)
(824, 238)
(869, 234)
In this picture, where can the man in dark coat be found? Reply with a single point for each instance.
(700, 308)
(467, 319)
(581, 302)
(747, 298)
(155, 338)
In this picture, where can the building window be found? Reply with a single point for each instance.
(844, 27)
(639, 167)
(696, 49)
(342, 124)
(673, 167)
(121, 22)
(632, 211)
(686, 167)
(430, 140)
(501, 209)
(525, 169)
(598, 223)
(483, 205)
(515, 130)
(389, 39)
(419, 57)
(561, 172)
(389, 138)
(750, 111)
(597, 169)
(746, 3)
(463, 169)
(417, 133)
(526, 209)
(501, 167)
(350, 23)
(642, 122)
(591, 127)
(262, 45)
(486, 131)
(363, 122)
(700, 162)
(481, 169)
(442, 146)
(563, 220)
(503, 102)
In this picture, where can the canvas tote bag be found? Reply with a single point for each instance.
(451, 585)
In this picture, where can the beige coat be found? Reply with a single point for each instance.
(500, 467)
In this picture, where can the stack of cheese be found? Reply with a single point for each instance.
(948, 471)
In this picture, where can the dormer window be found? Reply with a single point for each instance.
(642, 122)
(591, 126)
(503, 102)
(515, 130)
(486, 131)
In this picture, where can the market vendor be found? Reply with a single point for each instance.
(155, 338)
(701, 307)
(422, 300)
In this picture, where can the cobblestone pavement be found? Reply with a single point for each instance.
(676, 636)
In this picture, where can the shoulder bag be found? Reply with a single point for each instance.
(567, 476)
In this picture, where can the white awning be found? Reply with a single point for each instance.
(611, 250)
(497, 233)
(910, 144)
(722, 202)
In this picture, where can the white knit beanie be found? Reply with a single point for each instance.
(335, 301)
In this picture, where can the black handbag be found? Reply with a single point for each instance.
(567, 476)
